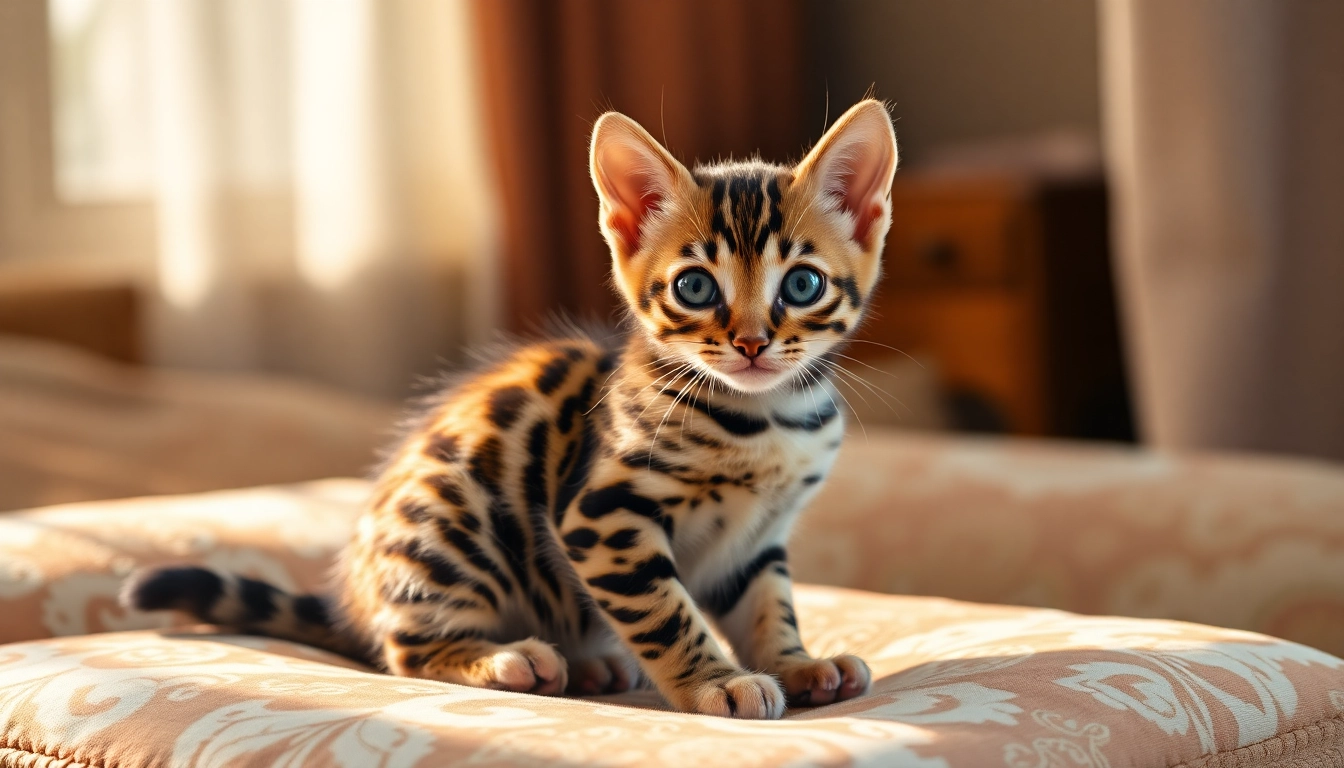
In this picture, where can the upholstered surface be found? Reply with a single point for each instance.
(1243, 542)
(957, 684)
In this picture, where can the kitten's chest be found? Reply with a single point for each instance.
(754, 491)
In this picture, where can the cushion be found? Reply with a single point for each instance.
(956, 684)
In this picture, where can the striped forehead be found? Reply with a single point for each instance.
(745, 211)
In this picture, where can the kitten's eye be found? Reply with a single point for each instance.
(695, 288)
(802, 286)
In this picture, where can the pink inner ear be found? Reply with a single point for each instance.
(858, 186)
(634, 190)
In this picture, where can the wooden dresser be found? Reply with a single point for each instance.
(999, 274)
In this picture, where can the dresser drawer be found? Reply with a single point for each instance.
(954, 242)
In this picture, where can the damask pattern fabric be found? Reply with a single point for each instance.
(1236, 541)
(1244, 542)
(957, 684)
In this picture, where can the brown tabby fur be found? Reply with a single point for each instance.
(578, 516)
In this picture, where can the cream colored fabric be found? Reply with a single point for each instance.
(75, 426)
(956, 685)
(1249, 543)
(1223, 121)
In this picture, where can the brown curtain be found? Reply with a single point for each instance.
(710, 78)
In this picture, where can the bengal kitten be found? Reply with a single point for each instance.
(577, 513)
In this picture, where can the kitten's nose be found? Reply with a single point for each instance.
(751, 346)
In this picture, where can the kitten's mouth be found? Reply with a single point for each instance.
(754, 375)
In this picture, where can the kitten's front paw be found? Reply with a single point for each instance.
(814, 682)
(745, 695)
(527, 666)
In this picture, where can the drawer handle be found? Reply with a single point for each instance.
(939, 254)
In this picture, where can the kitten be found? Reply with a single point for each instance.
(578, 514)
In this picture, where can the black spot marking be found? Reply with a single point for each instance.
(812, 479)
(651, 654)
(469, 521)
(447, 489)
(622, 539)
(582, 538)
(726, 597)
(506, 405)
(443, 448)
(413, 511)
(553, 374)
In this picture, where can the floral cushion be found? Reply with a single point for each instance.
(957, 684)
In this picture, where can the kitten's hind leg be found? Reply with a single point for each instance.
(525, 666)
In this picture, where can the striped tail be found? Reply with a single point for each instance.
(237, 602)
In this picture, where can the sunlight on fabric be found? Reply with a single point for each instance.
(340, 220)
(186, 234)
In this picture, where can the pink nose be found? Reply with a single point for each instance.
(751, 346)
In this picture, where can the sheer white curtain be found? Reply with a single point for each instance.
(1225, 136)
(322, 201)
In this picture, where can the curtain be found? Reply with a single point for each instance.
(708, 77)
(322, 205)
(1223, 122)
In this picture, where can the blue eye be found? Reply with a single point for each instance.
(802, 286)
(695, 288)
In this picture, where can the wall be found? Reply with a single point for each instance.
(959, 70)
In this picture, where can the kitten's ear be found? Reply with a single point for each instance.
(635, 178)
(853, 166)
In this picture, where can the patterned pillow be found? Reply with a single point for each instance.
(957, 684)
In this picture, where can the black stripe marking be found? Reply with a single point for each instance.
(258, 598)
(722, 600)
(578, 477)
(664, 634)
(487, 464)
(625, 615)
(509, 536)
(732, 422)
(599, 503)
(810, 422)
(574, 405)
(413, 511)
(465, 544)
(642, 580)
(311, 610)
(851, 288)
(534, 474)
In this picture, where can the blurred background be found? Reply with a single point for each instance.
(234, 234)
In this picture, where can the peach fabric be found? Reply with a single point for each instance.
(956, 685)
(1238, 541)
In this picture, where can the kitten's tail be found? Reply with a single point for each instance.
(237, 602)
